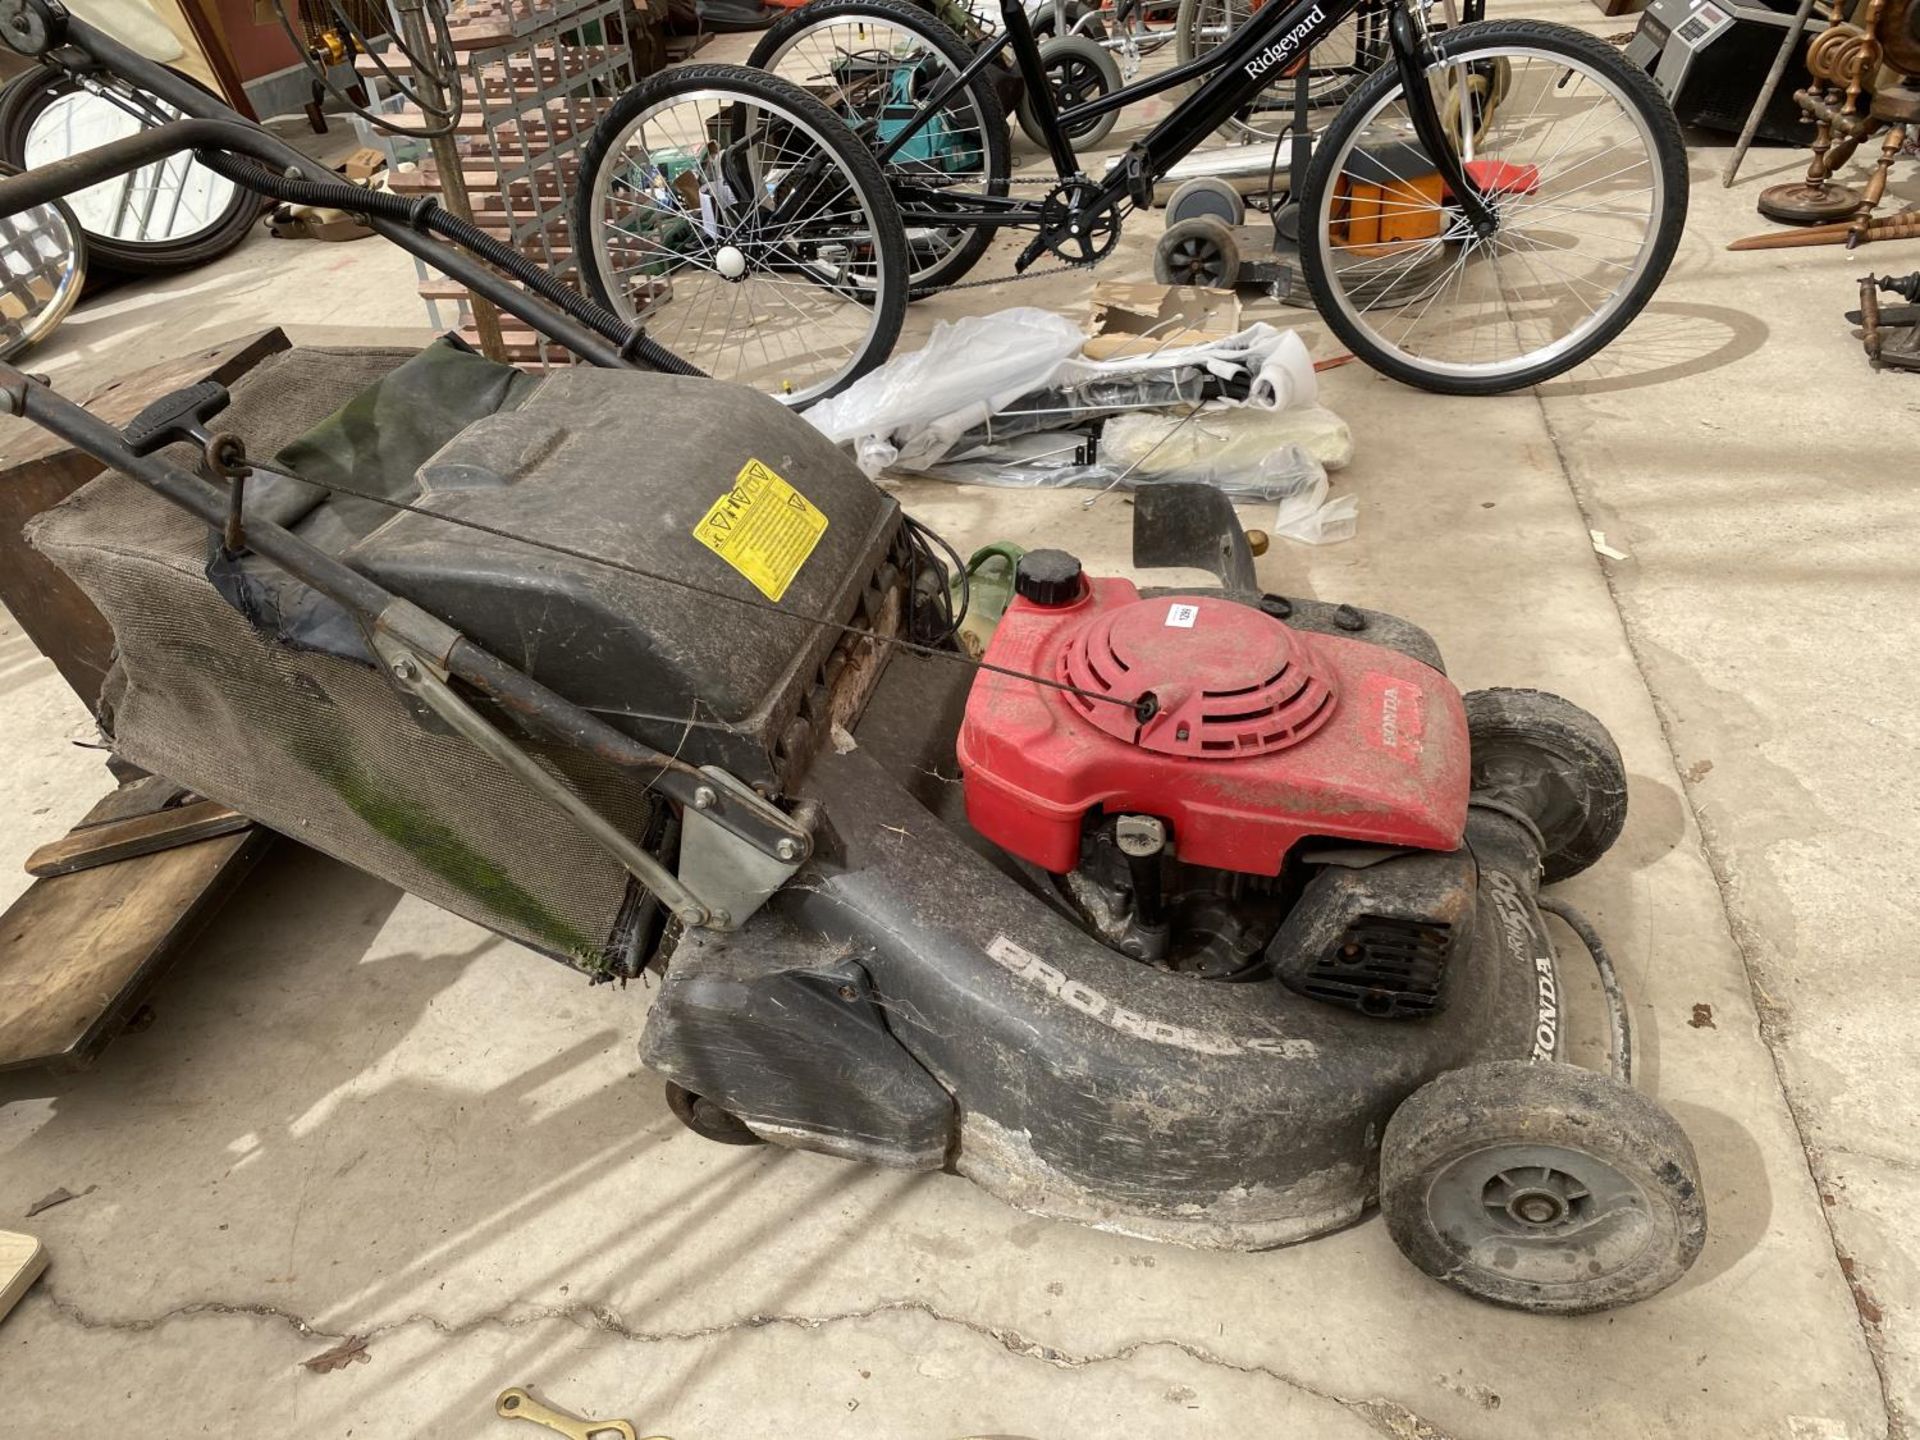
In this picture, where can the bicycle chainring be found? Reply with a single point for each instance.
(1078, 224)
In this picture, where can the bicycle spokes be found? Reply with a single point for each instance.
(875, 74)
(740, 241)
(1568, 165)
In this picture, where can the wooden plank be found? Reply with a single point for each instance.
(79, 952)
(96, 845)
(38, 470)
(22, 1258)
(146, 795)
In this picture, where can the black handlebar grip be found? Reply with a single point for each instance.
(175, 417)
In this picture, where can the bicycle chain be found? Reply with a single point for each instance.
(1065, 267)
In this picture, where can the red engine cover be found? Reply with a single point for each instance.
(1263, 734)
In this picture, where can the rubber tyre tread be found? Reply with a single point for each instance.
(758, 86)
(987, 104)
(1547, 720)
(1669, 153)
(1526, 1102)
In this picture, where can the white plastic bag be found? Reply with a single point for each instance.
(908, 414)
(1311, 518)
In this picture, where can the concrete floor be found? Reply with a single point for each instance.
(357, 1115)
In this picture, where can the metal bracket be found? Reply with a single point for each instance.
(426, 635)
(416, 674)
(731, 874)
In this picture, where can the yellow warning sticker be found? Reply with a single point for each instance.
(763, 527)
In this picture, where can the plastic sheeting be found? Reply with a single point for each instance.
(995, 399)
(911, 412)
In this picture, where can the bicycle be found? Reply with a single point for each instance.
(1351, 51)
(852, 54)
(754, 230)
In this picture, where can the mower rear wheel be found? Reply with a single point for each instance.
(1557, 764)
(1541, 1187)
(707, 1119)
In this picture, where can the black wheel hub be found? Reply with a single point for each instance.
(1196, 260)
(1078, 224)
(1075, 82)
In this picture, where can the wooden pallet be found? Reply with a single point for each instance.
(519, 140)
(80, 951)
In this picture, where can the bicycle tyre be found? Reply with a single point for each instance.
(28, 97)
(759, 89)
(984, 96)
(1483, 41)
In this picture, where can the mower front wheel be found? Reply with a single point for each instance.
(707, 1119)
(1541, 1187)
(1555, 763)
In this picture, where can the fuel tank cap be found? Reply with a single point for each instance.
(1047, 577)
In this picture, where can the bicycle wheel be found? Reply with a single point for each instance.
(1583, 164)
(171, 215)
(874, 63)
(746, 227)
(1352, 50)
(43, 267)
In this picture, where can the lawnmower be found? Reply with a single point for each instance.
(1206, 915)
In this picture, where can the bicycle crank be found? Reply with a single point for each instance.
(1078, 223)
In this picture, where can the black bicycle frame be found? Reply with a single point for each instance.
(1275, 40)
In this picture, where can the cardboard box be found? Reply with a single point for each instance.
(1139, 317)
(362, 165)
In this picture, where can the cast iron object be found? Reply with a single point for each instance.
(1890, 334)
